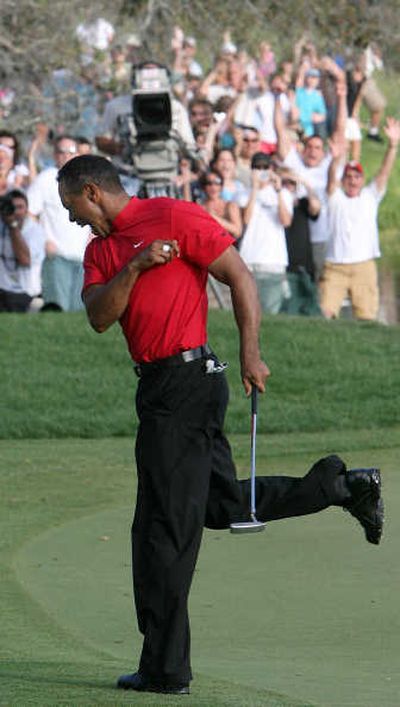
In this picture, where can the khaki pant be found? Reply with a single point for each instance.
(359, 281)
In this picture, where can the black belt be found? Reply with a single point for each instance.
(176, 360)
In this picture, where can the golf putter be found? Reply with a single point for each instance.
(252, 525)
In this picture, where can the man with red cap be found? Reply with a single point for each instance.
(350, 267)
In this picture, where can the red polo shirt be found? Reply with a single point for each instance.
(167, 309)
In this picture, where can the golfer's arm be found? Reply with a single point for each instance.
(105, 304)
(230, 269)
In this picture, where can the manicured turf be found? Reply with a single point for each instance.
(303, 614)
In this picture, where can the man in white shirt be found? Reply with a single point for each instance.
(21, 253)
(263, 117)
(350, 268)
(313, 165)
(62, 272)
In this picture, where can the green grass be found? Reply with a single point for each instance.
(60, 379)
(303, 614)
(371, 157)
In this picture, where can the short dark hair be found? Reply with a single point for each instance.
(200, 102)
(313, 137)
(261, 160)
(89, 168)
(204, 176)
(82, 140)
(17, 194)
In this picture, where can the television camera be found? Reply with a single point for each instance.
(150, 144)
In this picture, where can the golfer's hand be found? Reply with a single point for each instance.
(254, 372)
(159, 252)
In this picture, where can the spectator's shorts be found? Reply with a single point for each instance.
(352, 131)
(373, 96)
(359, 281)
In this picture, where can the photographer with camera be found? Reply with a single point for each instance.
(263, 247)
(21, 253)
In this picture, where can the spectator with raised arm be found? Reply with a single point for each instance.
(300, 270)
(353, 247)
(263, 247)
(313, 164)
(310, 102)
(263, 116)
(248, 143)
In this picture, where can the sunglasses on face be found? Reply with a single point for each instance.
(250, 139)
(210, 182)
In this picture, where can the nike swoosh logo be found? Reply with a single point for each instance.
(136, 245)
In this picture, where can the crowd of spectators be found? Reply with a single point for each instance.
(270, 146)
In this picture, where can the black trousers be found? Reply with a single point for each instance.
(187, 480)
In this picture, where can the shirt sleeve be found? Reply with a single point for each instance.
(94, 270)
(288, 200)
(372, 187)
(34, 237)
(201, 239)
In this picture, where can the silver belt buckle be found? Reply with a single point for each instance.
(187, 356)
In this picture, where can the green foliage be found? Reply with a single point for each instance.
(344, 24)
(60, 379)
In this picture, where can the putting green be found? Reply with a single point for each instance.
(307, 609)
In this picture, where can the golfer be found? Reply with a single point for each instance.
(147, 269)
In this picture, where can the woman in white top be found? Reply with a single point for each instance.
(263, 248)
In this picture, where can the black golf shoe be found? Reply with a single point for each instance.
(366, 503)
(135, 681)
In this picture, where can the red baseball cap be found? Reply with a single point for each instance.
(353, 165)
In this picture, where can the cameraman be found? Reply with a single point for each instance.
(109, 141)
(21, 253)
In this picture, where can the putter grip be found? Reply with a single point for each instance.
(254, 395)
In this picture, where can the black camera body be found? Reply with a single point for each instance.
(7, 207)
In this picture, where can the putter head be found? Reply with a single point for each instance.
(250, 526)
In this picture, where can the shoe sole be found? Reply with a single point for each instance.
(373, 533)
(154, 688)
